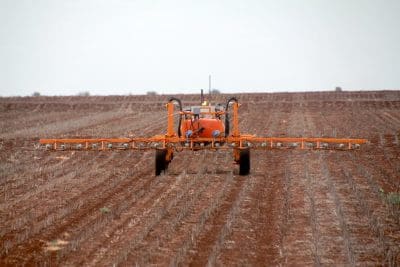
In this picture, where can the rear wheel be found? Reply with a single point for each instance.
(161, 163)
(244, 161)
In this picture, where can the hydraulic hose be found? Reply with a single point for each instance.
(174, 99)
(232, 99)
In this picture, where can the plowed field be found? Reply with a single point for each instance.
(297, 207)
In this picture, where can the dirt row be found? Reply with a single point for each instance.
(295, 208)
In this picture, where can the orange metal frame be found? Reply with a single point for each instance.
(236, 140)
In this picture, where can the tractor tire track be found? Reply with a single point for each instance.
(150, 219)
(215, 224)
(250, 235)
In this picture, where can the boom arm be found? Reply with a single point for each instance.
(242, 141)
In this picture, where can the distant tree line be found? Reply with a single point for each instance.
(83, 93)
(151, 93)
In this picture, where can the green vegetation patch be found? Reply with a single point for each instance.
(105, 210)
(393, 198)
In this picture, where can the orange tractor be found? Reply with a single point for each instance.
(202, 127)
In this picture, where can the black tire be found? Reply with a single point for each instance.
(161, 163)
(244, 162)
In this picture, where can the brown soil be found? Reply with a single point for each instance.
(297, 207)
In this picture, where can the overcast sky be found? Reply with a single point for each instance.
(62, 47)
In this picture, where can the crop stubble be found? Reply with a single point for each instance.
(296, 207)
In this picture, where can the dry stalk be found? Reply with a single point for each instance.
(339, 212)
(159, 213)
(41, 221)
(313, 214)
(227, 228)
(194, 233)
(374, 222)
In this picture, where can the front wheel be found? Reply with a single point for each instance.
(161, 163)
(244, 161)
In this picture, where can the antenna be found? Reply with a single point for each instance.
(209, 88)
